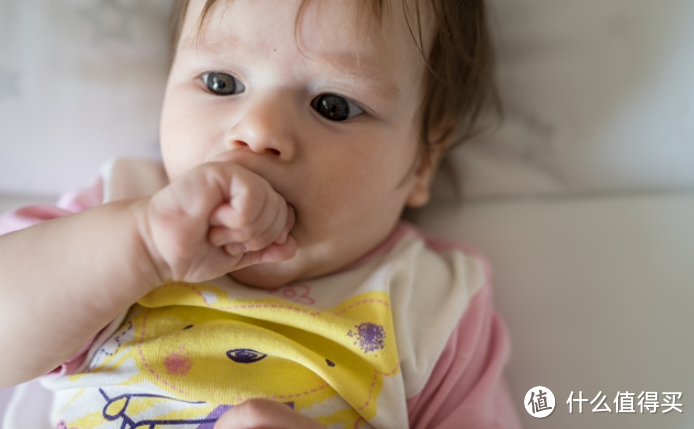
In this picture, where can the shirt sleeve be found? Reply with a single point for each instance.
(467, 388)
(70, 203)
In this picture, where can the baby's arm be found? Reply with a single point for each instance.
(63, 280)
(266, 414)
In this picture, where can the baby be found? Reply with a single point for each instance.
(261, 277)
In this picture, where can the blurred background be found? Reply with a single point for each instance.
(582, 199)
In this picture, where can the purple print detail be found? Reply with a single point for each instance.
(119, 339)
(369, 337)
(117, 409)
(214, 416)
(62, 425)
(245, 355)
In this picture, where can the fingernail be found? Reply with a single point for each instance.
(283, 237)
(235, 249)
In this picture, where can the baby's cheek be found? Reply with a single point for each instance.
(180, 157)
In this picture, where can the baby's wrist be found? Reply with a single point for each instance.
(153, 270)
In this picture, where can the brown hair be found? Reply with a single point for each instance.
(459, 85)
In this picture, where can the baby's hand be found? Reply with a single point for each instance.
(266, 414)
(216, 218)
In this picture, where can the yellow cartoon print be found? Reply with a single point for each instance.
(201, 352)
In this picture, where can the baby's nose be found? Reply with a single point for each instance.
(267, 126)
(256, 148)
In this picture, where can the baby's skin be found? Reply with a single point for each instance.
(291, 152)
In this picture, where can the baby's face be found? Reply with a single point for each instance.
(326, 112)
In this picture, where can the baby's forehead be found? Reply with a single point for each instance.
(346, 32)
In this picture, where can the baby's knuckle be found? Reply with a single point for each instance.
(258, 243)
(241, 235)
(256, 407)
(251, 209)
(245, 216)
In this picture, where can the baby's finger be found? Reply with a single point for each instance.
(256, 221)
(235, 249)
(220, 235)
(263, 413)
(274, 221)
(246, 213)
(280, 252)
(291, 218)
(238, 231)
(221, 214)
(272, 253)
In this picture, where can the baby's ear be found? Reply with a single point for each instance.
(423, 176)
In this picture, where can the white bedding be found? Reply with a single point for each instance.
(596, 292)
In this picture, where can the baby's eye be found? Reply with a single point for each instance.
(336, 108)
(223, 83)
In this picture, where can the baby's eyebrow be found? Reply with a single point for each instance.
(364, 69)
(361, 71)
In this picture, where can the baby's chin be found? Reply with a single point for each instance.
(266, 276)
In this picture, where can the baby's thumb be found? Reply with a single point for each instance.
(272, 253)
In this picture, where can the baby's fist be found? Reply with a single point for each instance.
(255, 218)
(216, 218)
